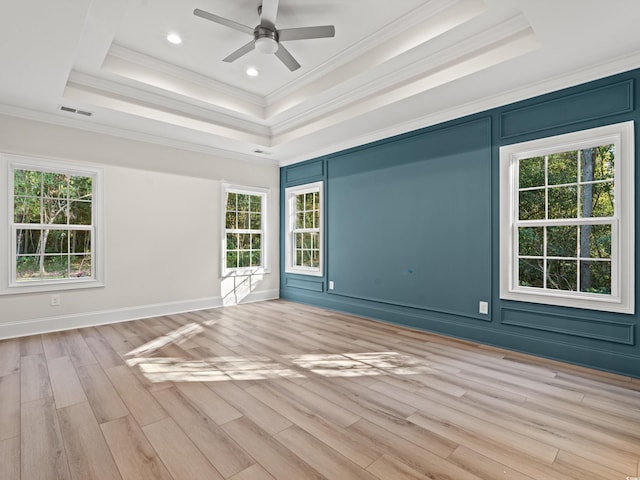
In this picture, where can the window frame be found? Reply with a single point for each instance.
(290, 211)
(264, 194)
(622, 298)
(8, 281)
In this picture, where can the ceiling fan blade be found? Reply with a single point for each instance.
(240, 52)
(303, 33)
(223, 21)
(269, 13)
(286, 58)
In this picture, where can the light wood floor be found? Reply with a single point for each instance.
(278, 390)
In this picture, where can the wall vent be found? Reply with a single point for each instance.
(75, 110)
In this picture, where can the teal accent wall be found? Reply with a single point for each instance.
(412, 232)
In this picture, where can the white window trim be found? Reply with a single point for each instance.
(8, 285)
(622, 299)
(290, 194)
(265, 194)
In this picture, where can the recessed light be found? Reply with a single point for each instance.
(252, 71)
(174, 38)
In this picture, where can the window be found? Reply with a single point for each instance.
(53, 225)
(567, 220)
(303, 211)
(244, 244)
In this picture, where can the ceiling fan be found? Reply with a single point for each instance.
(266, 37)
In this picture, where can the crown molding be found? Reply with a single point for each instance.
(161, 101)
(92, 127)
(157, 65)
(424, 67)
(587, 74)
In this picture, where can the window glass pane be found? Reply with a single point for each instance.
(298, 240)
(256, 241)
(54, 210)
(232, 241)
(231, 202)
(306, 258)
(80, 241)
(243, 202)
(27, 182)
(309, 201)
(595, 241)
(56, 266)
(563, 202)
(54, 185)
(315, 258)
(531, 241)
(299, 220)
(243, 220)
(562, 241)
(80, 266)
(80, 188)
(232, 259)
(255, 259)
(563, 168)
(255, 221)
(27, 241)
(531, 172)
(27, 268)
(595, 277)
(298, 259)
(299, 203)
(256, 203)
(602, 199)
(562, 275)
(308, 220)
(531, 272)
(598, 163)
(231, 220)
(80, 213)
(531, 205)
(26, 210)
(244, 259)
(244, 242)
(56, 241)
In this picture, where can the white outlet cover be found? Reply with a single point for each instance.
(483, 308)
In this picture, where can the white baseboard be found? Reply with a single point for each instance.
(89, 319)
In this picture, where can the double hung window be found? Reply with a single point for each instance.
(303, 211)
(567, 220)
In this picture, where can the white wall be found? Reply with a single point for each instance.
(162, 229)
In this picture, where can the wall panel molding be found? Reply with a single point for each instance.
(580, 107)
(603, 330)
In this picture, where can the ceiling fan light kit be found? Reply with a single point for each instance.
(266, 37)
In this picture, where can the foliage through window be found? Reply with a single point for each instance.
(245, 222)
(567, 198)
(52, 224)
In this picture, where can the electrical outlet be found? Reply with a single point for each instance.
(484, 308)
(330, 284)
(55, 300)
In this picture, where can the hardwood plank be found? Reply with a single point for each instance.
(105, 354)
(144, 408)
(34, 378)
(9, 356)
(9, 406)
(87, 452)
(256, 411)
(585, 467)
(209, 402)
(79, 352)
(102, 396)
(54, 346)
(278, 460)
(254, 472)
(31, 345)
(10, 458)
(181, 457)
(224, 453)
(135, 457)
(66, 386)
(42, 452)
(483, 466)
(319, 455)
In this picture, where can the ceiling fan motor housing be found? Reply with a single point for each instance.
(266, 39)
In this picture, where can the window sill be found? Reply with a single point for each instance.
(53, 286)
(603, 303)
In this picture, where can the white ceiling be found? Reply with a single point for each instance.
(393, 66)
